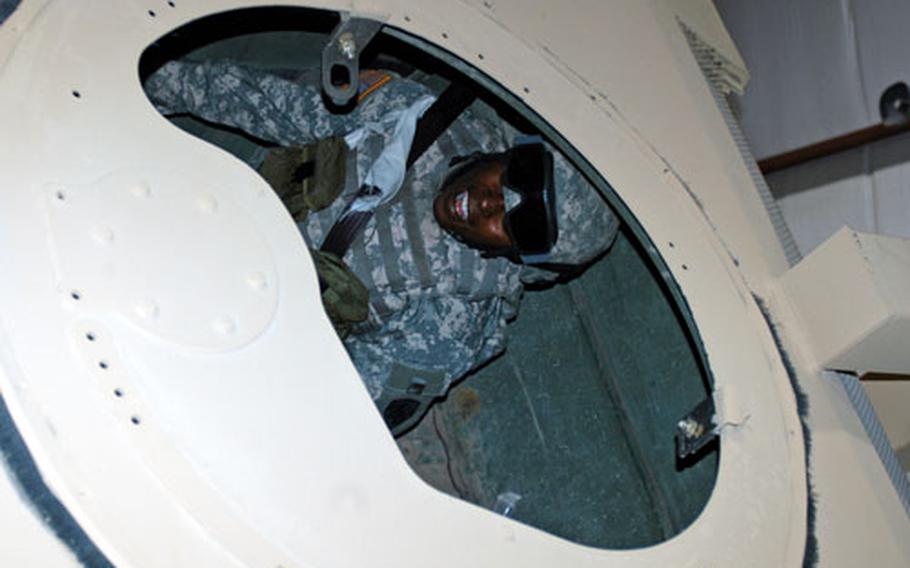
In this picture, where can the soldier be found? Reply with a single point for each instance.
(438, 304)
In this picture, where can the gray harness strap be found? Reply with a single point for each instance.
(467, 258)
(491, 273)
(387, 245)
(415, 236)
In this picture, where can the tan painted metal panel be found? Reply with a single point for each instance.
(617, 80)
(852, 298)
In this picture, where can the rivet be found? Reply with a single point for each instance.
(103, 235)
(147, 309)
(207, 204)
(142, 189)
(257, 281)
(224, 325)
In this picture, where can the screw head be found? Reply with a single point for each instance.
(224, 325)
(142, 190)
(147, 309)
(347, 45)
(207, 204)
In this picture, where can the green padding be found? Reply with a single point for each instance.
(578, 417)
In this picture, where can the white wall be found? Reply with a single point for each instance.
(818, 69)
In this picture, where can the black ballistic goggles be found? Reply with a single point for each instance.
(532, 223)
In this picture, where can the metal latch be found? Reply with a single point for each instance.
(341, 58)
(696, 429)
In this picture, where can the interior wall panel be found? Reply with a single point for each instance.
(806, 80)
(818, 70)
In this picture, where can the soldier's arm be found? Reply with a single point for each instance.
(262, 105)
(450, 335)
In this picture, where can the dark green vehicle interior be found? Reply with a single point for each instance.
(571, 430)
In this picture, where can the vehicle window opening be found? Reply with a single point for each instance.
(340, 75)
(571, 428)
(7, 7)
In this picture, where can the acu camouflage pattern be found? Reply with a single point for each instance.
(434, 303)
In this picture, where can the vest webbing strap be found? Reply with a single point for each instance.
(466, 271)
(491, 273)
(441, 114)
(415, 236)
(389, 255)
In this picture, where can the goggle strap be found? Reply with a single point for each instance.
(535, 258)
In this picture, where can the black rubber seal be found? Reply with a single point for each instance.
(26, 476)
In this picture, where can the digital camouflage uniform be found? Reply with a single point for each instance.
(437, 308)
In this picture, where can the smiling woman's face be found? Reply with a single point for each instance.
(471, 205)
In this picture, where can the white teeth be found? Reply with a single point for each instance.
(461, 205)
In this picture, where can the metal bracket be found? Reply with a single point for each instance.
(894, 104)
(341, 58)
(696, 429)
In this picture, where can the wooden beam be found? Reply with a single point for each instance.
(830, 146)
(883, 377)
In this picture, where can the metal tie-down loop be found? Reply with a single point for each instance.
(341, 58)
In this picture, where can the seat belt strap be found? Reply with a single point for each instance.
(441, 114)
